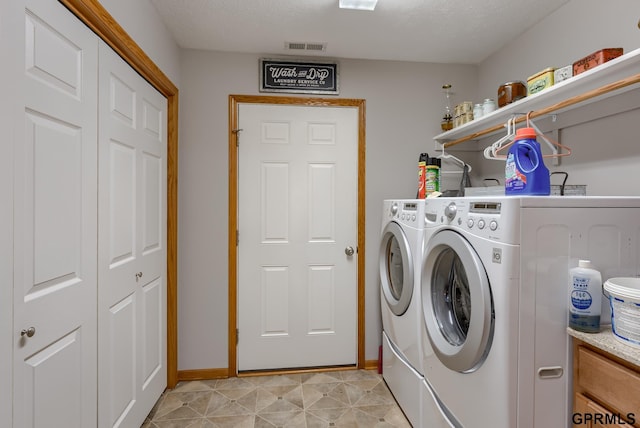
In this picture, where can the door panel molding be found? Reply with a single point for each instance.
(234, 101)
(96, 17)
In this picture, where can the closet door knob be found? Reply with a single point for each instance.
(28, 332)
(138, 276)
(349, 251)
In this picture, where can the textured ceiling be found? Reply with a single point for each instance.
(444, 31)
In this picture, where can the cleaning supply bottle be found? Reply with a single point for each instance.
(525, 172)
(422, 167)
(432, 175)
(585, 297)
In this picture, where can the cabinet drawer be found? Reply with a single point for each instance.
(588, 414)
(609, 383)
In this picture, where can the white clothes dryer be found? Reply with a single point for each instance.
(494, 301)
(401, 247)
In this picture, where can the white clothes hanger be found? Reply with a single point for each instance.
(490, 152)
(460, 162)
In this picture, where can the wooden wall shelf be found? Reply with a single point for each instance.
(607, 80)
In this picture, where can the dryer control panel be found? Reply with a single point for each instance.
(484, 214)
(407, 212)
(480, 218)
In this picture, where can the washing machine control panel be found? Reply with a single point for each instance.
(407, 212)
(481, 218)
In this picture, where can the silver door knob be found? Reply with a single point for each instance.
(28, 332)
(349, 251)
(138, 276)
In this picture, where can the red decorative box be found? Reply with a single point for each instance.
(595, 59)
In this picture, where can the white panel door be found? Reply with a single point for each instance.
(132, 244)
(55, 223)
(297, 288)
(11, 115)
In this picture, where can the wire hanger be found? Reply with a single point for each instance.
(553, 144)
(463, 164)
(492, 152)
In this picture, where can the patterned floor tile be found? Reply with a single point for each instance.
(344, 399)
(245, 421)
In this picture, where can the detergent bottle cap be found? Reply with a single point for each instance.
(585, 264)
(525, 133)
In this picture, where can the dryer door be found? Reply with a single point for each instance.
(456, 302)
(396, 268)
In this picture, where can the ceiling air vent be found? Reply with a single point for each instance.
(302, 46)
(316, 47)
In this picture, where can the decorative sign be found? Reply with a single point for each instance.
(298, 76)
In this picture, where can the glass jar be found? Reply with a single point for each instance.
(447, 118)
(488, 106)
(478, 111)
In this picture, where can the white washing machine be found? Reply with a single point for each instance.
(494, 301)
(401, 247)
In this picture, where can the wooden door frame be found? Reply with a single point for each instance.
(234, 101)
(96, 17)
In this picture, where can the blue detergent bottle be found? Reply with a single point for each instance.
(525, 172)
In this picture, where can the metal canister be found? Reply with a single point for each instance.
(562, 73)
(540, 81)
(510, 92)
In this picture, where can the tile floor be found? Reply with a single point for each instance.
(353, 398)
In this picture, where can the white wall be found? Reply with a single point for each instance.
(141, 21)
(605, 152)
(403, 110)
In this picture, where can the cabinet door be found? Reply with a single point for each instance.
(132, 244)
(601, 378)
(55, 222)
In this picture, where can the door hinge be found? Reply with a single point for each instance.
(237, 132)
(237, 238)
(237, 335)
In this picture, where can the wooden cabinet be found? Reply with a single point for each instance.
(584, 406)
(606, 389)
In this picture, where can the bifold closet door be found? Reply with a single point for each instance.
(55, 221)
(131, 244)
(89, 228)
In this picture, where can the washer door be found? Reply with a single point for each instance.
(457, 304)
(396, 268)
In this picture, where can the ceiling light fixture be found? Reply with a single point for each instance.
(358, 4)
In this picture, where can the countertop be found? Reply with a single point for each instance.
(606, 341)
